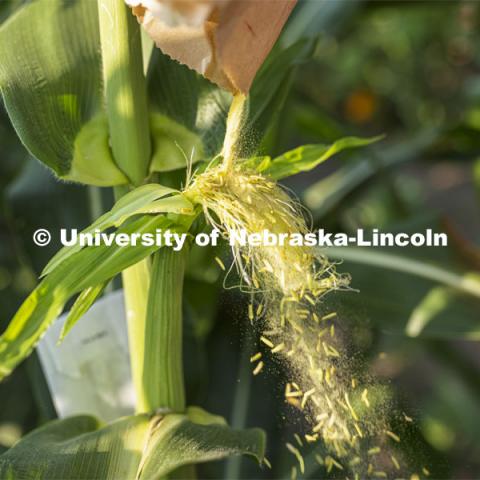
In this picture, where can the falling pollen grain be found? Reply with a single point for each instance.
(278, 348)
(395, 462)
(365, 398)
(258, 368)
(329, 316)
(250, 312)
(267, 342)
(298, 439)
(220, 263)
(255, 357)
(298, 456)
(393, 436)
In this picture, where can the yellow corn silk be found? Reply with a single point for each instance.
(236, 201)
(287, 284)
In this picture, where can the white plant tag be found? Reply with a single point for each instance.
(89, 372)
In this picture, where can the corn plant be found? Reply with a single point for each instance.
(99, 105)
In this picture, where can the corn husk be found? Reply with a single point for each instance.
(225, 40)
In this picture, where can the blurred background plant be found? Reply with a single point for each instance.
(410, 70)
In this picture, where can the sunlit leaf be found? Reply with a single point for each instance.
(92, 162)
(130, 204)
(433, 304)
(82, 270)
(466, 283)
(188, 99)
(81, 306)
(173, 144)
(305, 158)
(50, 79)
(204, 109)
(137, 447)
(407, 295)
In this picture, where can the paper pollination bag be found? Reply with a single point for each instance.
(225, 40)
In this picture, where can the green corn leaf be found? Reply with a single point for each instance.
(173, 144)
(305, 158)
(140, 447)
(92, 161)
(202, 110)
(175, 204)
(201, 437)
(50, 79)
(82, 270)
(409, 294)
(132, 203)
(465, 283)
(432, 305)
(81, 306)
(324, 195)
(269, 91)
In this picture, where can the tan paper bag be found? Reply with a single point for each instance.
(225, 40)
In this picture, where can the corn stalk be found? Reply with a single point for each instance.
(153, 292)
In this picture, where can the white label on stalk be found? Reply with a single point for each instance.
(89, 372)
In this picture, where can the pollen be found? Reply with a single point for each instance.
(365, 398)
(298, 439)
(286, 284)
(352, 411)
(310, 300)
(407, 418)
(307, 395)
(298, 456)
(278, 348)
(395, 462)
(255, 357)
(258, 368)
(293, 473)
(393, 436)
(220, 263)
(359, 431)
(330, 462)
(267, 342)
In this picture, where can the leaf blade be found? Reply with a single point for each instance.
(130, 204)
(84, 269)
(466, 283)
(50, 77)
(196, 438)
(306, 157)
(136, 447)
(81, 306)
